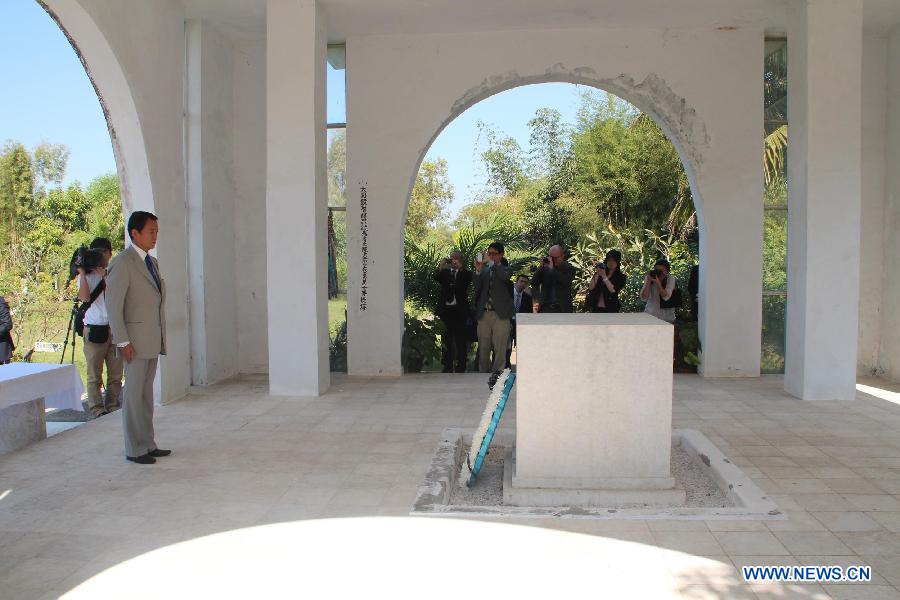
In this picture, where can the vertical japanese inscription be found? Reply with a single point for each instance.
(364, 237)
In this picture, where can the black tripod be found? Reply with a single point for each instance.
(70, 331)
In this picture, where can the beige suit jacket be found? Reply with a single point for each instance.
(136, 307)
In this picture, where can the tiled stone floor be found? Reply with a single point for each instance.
(71, 507)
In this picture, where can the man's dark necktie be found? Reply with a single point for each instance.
(451, 291)
(149, 262)
(489, 305)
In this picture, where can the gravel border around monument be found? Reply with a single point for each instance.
(716, 488)
(701, 490)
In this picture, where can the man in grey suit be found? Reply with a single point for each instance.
(493, 308)
(135, 301)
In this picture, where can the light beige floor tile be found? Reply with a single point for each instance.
(812, 542)
(743, 543)
(848, 521)
(874, 502)
(862, 591)
(888, 520)
(871, 542)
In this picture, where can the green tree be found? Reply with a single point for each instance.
(549, 146)
(337, 167)
(104, 216)
(664, 195)
(50, 162)
(431, 194)
(68, 208)
(485, 209)
(503, 161)
(16, 193)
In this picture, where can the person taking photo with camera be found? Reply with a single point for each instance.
(453, 310)
(552, 283)
(607, 282)
(493, 309)
(98, 347)
(659, 286)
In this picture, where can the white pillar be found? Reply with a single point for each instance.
(824, 195)
(296, 198)
(210, 203)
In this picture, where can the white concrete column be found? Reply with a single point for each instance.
(889, 351)
(824, 196)
(210, 203)
(296, 198)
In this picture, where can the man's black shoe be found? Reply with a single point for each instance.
(144, 459)
(156, 453)
(493, 380)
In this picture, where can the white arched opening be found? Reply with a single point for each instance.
(126, 135)
(678, 132)
(106, 75)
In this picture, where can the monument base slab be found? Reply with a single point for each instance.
(656, 491)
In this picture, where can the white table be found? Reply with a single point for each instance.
(26, 390)
(59, 385)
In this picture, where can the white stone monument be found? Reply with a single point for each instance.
(593, 411)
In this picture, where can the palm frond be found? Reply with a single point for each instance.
(775, 154)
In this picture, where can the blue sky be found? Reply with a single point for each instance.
(507, 113)
(46, 93)
(47, 96)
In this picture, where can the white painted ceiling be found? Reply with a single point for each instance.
(246, 18)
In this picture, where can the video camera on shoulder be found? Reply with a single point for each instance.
(84, 258)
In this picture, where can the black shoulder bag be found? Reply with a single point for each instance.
(674, 300)
(102, 330)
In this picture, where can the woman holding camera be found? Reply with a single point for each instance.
(658, 288)
(608, 281)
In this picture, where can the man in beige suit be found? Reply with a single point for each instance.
(135, 299)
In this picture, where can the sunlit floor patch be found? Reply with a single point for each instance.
(409, 558)
(880, 392)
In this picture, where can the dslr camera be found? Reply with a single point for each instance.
(84, 258)
(655, 274)
(602, 267)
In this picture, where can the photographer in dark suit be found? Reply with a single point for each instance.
(552, 283)
(453, 310)
(6, 325)
(522, 303)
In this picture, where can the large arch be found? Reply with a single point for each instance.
(661, 109)
(112, 89)
(119, 110)
(402, 94)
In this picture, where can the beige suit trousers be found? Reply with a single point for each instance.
(493, 334)
(137, 406)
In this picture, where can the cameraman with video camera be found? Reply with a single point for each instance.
(658, 288)
(98, 347)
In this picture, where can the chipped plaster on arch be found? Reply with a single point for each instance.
(652, 96)
(112, 90)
